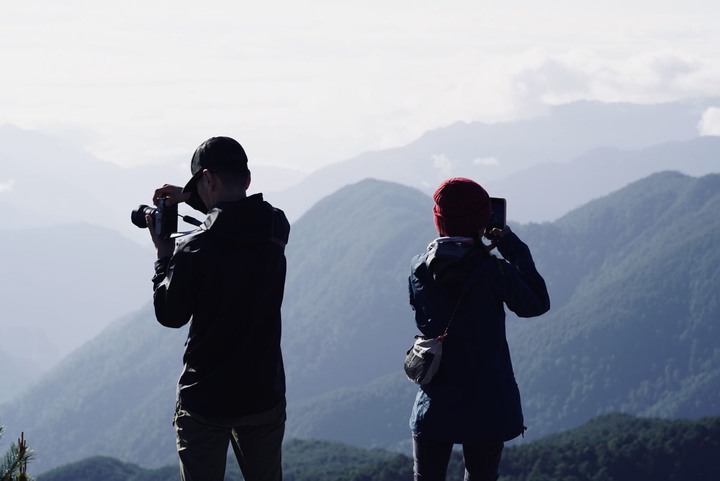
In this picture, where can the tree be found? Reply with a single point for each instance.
(14, 463)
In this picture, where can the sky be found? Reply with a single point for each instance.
(306, 84)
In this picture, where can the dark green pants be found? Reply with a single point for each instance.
(202, 445)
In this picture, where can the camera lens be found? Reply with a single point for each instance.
(138, 215)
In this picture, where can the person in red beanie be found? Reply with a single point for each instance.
(473, 399)
(462, 208)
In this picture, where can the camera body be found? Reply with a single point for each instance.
(498, 214)
(165, 218)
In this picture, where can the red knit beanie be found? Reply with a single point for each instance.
(462, 208)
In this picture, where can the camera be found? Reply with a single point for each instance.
(498, 207)
(165, 217)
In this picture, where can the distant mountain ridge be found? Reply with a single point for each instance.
(54, 277)
(48, 181)
(634, 284)
(546, 166)
(548, 191)
(532, 152)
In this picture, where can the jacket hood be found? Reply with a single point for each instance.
(249, 220)
(451, 259)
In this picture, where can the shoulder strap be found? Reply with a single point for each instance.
(457, 304)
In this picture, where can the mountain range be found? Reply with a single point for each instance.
(46, 181)
(71, 260)
(635, 289)
(567, 157)
(637, 331)
(60, 286)
(634, 283)
(546, 166)
(612, 447)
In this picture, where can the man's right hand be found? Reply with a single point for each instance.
(174, 195)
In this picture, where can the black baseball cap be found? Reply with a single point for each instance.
(218, 154)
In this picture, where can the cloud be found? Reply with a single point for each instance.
(443, 164)
(333, 79)
(486, 161)
(658, 75)
(554, 80)
(7, 186)
(709, 124)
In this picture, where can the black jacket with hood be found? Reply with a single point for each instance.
(473, 398)
(227, 278)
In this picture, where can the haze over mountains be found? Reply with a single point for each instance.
(545, 166)
(45, 181)
(541, 156)
(60, 286)
(632, 329)
(75, 278)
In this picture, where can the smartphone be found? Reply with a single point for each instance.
(498, 214)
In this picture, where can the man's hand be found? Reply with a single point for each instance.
(173, 193)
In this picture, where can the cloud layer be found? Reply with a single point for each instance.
(710, 122)
(305, 85)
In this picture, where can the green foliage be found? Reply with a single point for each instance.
(102, 468)
(317, 460)
(13, 466)
(613, 447)
(302, 461)
(619, 447)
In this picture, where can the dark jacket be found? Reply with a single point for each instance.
(474, 396)
(228, 279)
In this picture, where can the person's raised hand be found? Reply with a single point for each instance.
(494, 235)
(173, 193)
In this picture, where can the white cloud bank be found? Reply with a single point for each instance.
(486, 161)
(7, 186)
(709, 124)
(443, 164)
(306, 84)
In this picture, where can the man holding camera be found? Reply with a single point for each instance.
(227, 279)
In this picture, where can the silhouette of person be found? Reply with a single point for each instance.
(227, 280)
(473, 399)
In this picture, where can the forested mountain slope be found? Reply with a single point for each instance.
(634, 280)
(609, 448)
